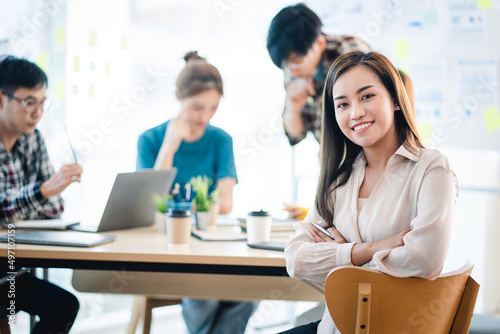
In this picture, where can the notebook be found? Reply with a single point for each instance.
(58, 238)
(130, 201)
(219, 235)
(269, 245)
(45, 224)
(278, 225)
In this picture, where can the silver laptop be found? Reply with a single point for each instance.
(60, 238)
(130, 201)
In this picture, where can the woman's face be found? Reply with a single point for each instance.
(364, 108)
(200, 108)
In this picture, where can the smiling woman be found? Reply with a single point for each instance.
(386, 200)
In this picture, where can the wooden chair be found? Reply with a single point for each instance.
(366, 301)
(143, 309)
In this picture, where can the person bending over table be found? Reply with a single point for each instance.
(195, 147)
(387, 200)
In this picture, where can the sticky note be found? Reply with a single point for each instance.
(92, 38)
(59, 89)
(431, 18)
(60, 36)
(43, 60)
(484, 4)
(425, 132)
(74, 89)
(92, 65)
(77, 64)
(106, 68)
(124, 42)
(401, 52)
(492, 118)
(91, 90)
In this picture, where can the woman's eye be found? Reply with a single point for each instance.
(341, 105)
(366, 96)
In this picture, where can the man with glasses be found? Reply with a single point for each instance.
(30, 188)
(297, 45)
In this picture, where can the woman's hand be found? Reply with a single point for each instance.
(178, 129)
(319, 236)
(363, 252)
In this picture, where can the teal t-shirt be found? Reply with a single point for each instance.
(212, 155)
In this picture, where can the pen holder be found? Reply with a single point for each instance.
(180, 205)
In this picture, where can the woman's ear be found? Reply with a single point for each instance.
(177, 96)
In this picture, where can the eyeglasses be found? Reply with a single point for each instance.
(296, 64)
(31, 105)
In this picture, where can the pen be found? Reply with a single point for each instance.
(188, 191)
(176, 193)
(70, 145)
(325, 232)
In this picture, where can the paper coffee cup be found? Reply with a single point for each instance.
(178, 227)
(258, 227)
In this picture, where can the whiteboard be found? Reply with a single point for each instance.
(450, 50)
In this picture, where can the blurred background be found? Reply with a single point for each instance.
(112, 67)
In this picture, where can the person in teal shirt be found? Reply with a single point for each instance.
(195, 147)
(211, 155)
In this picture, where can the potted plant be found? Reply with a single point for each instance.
(160, 203)
(203, 200)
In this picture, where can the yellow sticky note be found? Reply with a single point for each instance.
(124, 42)
(106, 68)
(60, 36)
(92, 38)
(484, 4)
(59, 89)
(401, 52)
(492, 118)
(91, 90)
(77, 64)
(425, 132)
(43, 60)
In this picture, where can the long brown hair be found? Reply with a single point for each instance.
(338, 153)
(197, 76)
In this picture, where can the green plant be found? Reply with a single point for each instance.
(160, 202)
(202, 199)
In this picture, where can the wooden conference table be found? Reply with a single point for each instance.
(139, 261)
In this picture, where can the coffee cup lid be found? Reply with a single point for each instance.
(176, 213)
(260, 213)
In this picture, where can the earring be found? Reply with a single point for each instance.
(398, 108)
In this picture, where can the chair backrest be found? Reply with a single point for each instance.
(361, 300)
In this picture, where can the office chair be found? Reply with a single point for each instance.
(361, 300)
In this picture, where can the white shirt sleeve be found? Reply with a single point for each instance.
(306, 259)
(427, 244)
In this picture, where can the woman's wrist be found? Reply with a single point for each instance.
(363, 252)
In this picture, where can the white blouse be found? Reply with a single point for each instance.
(416, 191)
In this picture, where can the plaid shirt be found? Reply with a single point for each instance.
(21, 173)
(311, 113)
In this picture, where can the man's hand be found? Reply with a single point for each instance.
(298, 91)
(61, 180)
